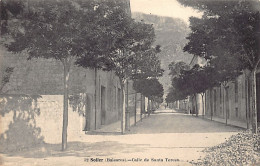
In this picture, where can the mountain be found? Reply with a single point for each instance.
(171, 35)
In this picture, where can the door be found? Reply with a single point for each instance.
(103, 105)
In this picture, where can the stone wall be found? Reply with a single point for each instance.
(44, 77)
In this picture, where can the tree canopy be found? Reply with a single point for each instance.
(226, 27)
(228, 36)
(91, 34)
(149, 87)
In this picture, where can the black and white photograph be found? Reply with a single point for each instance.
(130, 82)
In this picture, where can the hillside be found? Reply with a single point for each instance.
(171, 35)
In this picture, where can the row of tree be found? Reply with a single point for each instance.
(227, 37)
(91, 34)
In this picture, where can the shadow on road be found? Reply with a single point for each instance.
(80, 149)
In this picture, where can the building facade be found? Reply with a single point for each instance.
(228, 103)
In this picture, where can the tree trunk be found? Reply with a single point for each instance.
(249, 101)
(226, 103)
(225, 109)
(65, 106)
(223, 102)
(123, 109)
(144, 107)
(246, 100)
(127, 116)
(196, 106)
(254, 104)
(141, 108)
(135, 105)
(149, 107)
(203, 109)
(192, 105)
(95, 98)
(211, 104)
(205, 102)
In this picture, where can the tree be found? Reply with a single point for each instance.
(176, 93)
(124, 43)
(89, 33)
(136, 53)
(177, 67)
(150, 88)
(65, 31)
(189, 82)
(176, 70)
(237, 28)
(146, 65)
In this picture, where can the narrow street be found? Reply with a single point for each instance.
(78, 78)
(165, 134)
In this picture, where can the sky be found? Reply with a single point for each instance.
(170, 8)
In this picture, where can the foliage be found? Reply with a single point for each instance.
(146, 64)
(175, 92)
(158, 99)
(123, 45)
(189, 82)
(239, 149)
(149, 87)
(211, 39)
(228, 36)
(6, 77)
(76, 31)
(215, 37)
(78, 103)
(232, 26)
(10, 10)
(177, 67)
(174, 95)
(54, 29)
